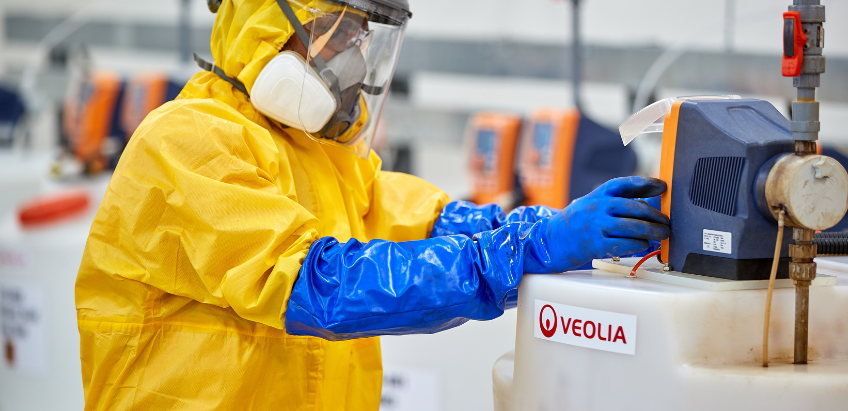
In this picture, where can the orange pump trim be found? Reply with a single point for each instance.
(550, 185)
(669, 145)
(489, 185)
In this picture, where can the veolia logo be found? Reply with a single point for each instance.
(547, 330)
(584, 327)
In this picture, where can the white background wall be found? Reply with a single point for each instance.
(757, 24)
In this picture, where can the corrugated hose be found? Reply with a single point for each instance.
(831, 243)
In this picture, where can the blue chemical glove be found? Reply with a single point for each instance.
(466, 218)
(656, 203)
(608, 222)
(353, 290)
(463, 217)
(654, 245)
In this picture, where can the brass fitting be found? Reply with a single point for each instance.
(802, 271)
(805, 147)
(801, 235)
(803, 252)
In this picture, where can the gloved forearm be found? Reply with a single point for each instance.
(355, 290)
(466, 218)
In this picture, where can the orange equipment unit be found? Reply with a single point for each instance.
(493, 139)
(145, 93)
(546, 156)
(89, 117)
(565, 155)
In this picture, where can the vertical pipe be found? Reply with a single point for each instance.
(576, 53)
(802, 313)
(805, 127)
(185, 31)
(802, 270)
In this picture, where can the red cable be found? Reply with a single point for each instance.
(645, 258)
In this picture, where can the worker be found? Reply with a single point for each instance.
(249, 249)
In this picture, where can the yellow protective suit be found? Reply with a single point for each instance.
(182, 292)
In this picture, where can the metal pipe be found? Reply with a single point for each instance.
(802, 314)
(576, 55)
(185, 31)
(802, 270)
(805, 128)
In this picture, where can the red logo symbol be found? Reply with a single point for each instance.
(545, 325)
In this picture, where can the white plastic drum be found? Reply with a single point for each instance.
(40, 365)
(596, 340)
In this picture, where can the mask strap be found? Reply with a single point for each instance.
(217, 70)
(372, 90)
(318, 62)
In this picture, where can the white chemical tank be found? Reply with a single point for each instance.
(597, 340)
(39, 259)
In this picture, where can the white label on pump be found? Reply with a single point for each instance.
(717, 241)
(583, 327)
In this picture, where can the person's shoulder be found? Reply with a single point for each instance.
(198, 118)
(196, 109)
(192, 132)
(408, 182)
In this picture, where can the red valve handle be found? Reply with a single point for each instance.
(794, 40)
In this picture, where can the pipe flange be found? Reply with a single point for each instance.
(805, 126)
(807, 81)
(810, 13)
(803, 252)
(813, 64)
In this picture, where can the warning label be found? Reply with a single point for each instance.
(717, 241)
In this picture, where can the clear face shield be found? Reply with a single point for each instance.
(336, 91)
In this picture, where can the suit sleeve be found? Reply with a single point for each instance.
(403, 207)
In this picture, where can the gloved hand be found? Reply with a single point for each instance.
(608, 222)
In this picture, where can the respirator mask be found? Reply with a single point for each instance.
(335, 92)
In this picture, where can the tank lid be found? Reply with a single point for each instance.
(53, 207)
